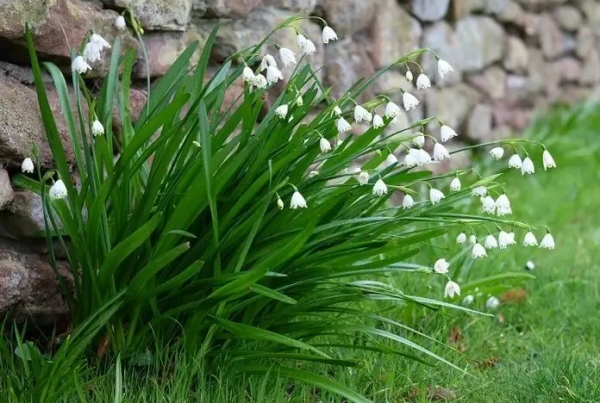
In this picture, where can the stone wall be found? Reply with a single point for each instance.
(510, 57)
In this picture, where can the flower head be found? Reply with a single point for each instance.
(273, 74)
(515, 161)
(410, 160)
(100, 41)
(363, 178)
(259, 81)
(27, 166)
(451, 289)
(58, 190)
(479, 191)
(379, 189)
(392, 110)
(478, 251)
(435, 195)
(120, 23)
(391, 159)
(282, 111)
(343, 125)
(472, 239)
(361, 114)
(299, 100)
(529, 265)
(422, 157)
(444, 68)
(505, 240)
(527, 167)
(488, 205)
(419, 140)
(287, 56)
(468, 300)
(325, 145)
(441, 266)
(497, 152)
(297, 201)
(547, 241)
(446, 133)
(409, 75)
(490, 242)
(408, 202)
(547, 160)
(337, 111)
(267, 61)
(378, 122)
(92, 50)
(530, 239)
(503, 205)
(410, 101)
(328, 34)
(440, 152)
(79, 65)
(461, 238)
(97, 128)
(492, 303)
(280, 204)
(423, 82)
(455, 185)
(306, 45)
(248, 75)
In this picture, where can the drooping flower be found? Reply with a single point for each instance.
(423, 82)
(444, 68)
(299, 100)
(488, 205)
(468, 300)
(282, 111)
(408, 202)
(441, 266)
(435, 195)
(27, 166)
(260, 81)
(461, 238)
(446, 133)
(492, 303)
(100, 41)
(120, 23)
(361, 114)
(248, 75)
(497, 152)
(455, 185)
(527, 167)
(280, 204)
(392, 110)
(490, 242)
(478, 251)
(297, 201)
(97, 128)
(547, 160)
(504, 240)
(363, 178)
(511, 240)
(343, 125)
(479, 191)
(273, 74)
(391, 159)
(530, 239)
(409, 75)
(267, 61)
(547, 241)
(472, 239)
(325, 145)
(410, 101)
(419, 140)
(451, 289)
(503, 205)
(80, 66)
(515, 161)
(58, 190)
(530, 265)
(306, 45)
(378, 122)
(337, 111)
(410, 160)
(287, 56)
(380, 188)
(440, 152)
(328, 34)
(422, 157)
(91, 51)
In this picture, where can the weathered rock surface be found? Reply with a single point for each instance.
(165, 15)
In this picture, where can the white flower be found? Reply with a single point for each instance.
(363, 178)
(312, 174)
(444, 68)
(299, 100)
(120, 22)
(280, 204)
(455, 185)
(392, 110)
(391, 159)
(435, 195)
(58, 190)
(274, 74)
(446, 133)
(461, 238)
(488, 205)
(504, 239)
(497, 152)
(100, 41)
(409, 75)
(297, 201)
(547, 241)
(408, 202)
(267, 61)
(515, 161)
(472, 239)
(419, 140)
(410, 160)
(378, 122)
(306, 45)
(527, 167)
(530, 239)
(478, 251)
(422, 157)
(547, 160)
(379, 189)
(337, 111)
(79, 65)
(287, 56)
(503, 205)
(423, 82)
(452, 289)
(361, 114)
(97, 128)
(468, 300)
(530, 265)
(479, 191)
(490, 242)
(282, 111)
(492, 303)
(441, 266)
(248, 75)
(27, 166)
(325, 145)
(440, 152)
(92, 49)
(410, 101)
(328, 34)
(343, 125)
(512, 240)
(260, 81)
